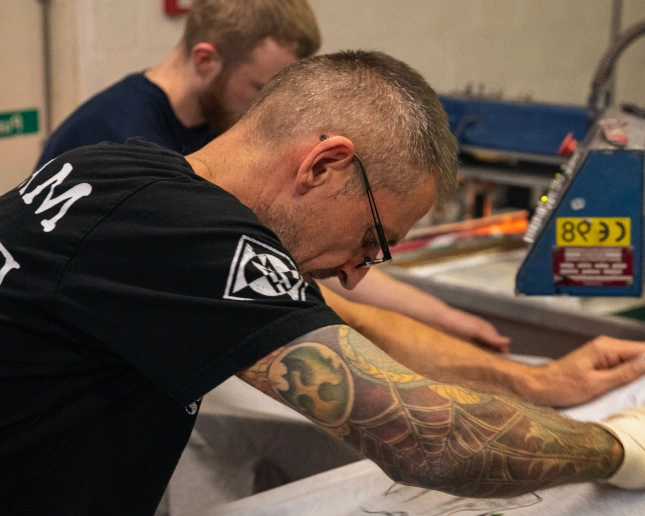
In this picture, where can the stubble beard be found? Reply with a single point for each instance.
(278, 220)
(218, 117)
(292, 233)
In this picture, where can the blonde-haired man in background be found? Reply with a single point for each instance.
(229, 50)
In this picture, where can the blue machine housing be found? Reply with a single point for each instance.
(611, 184)
(530, 128)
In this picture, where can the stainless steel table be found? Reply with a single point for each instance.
(484, 283)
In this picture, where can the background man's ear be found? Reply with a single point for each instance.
(207, 62)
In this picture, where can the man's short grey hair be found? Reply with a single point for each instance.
(392, 115)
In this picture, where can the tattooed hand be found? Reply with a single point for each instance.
(426, 433)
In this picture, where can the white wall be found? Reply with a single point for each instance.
(64, 52)
(21, 84)
(547, 49)
(630, 77)
(117, 37)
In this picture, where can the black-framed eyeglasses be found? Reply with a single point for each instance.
(385, 250)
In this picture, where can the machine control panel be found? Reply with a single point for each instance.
(586, 234)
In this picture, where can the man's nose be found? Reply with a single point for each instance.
(352, 274)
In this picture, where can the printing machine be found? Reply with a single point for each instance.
(586, 235)
(532, 280)
(577, 271)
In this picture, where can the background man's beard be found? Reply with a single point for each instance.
(218, 117)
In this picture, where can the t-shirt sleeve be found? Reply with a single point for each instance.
(184, 283)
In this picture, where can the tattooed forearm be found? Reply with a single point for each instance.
(426, 433)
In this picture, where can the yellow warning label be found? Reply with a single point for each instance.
(593, 231)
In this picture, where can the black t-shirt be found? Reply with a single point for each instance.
(129, 288)
(133, 107)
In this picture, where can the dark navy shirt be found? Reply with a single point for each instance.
(132, 107)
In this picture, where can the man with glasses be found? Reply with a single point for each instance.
(390, 294)
(136, 280)
(228, 51)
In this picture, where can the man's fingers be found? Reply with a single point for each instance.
(495, 341)
(618, 349)
(624, 373)
(488, 333)
(630, 350)
(494, 347)
(503, 340)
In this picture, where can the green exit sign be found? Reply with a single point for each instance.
(14, 123)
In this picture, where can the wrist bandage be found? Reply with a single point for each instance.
(628, 426)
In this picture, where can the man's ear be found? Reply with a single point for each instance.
(207, 62)
(329, 163)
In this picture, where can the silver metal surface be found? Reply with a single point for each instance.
(550, 325)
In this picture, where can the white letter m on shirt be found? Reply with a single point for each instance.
(67, 198)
